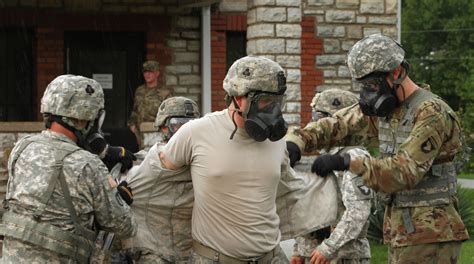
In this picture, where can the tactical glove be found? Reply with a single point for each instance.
(326, 163)
(294, 153)
(117, 154)
(125, 192)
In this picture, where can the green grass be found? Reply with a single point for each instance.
(380, 253)
(466, 175)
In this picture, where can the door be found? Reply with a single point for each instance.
(114, 60)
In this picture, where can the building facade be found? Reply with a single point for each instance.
(194, 41)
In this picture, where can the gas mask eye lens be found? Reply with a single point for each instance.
(174, 123)
(264, 100)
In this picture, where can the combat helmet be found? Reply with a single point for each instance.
(374, 53)
(331, 100)
(177, 106)
(74, 97)
(254, 74)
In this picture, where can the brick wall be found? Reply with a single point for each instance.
(220, 23)
(310, 76)
(49, 58)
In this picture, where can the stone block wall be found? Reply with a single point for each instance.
(183, 74)
(274, 31)
(338, 25)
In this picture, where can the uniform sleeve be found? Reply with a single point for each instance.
(356, 198)
(333, 131)
(432, 127)
(179, 149)
(133, 120)
(110, 210)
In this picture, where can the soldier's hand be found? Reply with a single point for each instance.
(294, 153)
(326, 163)
(318, 258)
(125, 192)
(117, 154)
(296, 260)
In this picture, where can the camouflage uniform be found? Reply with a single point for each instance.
(147, 100)
(418, 143)
(348, 241)
(56, 190)
(163, 199)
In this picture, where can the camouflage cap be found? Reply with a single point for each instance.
(177, 106)
(73, 96)
(151, 65)
(374, 53)
(252, 73)
(332, 100)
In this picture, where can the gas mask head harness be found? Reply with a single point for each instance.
(377, 97)
(263, 114)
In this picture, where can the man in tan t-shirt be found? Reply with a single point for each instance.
(237, 157)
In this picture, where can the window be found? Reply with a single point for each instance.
(16, 84)
(236, 43)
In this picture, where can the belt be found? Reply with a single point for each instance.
(210, 253)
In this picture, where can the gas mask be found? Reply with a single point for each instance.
(264, 118)
(376, 96)
(92, 138)
(173, 124)
(316, 115)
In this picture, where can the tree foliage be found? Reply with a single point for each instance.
(438, 36)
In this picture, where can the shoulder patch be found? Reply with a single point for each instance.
(359, 183)
(427, 146)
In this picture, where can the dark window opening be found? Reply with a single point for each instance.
(16, 81)
(236, 44)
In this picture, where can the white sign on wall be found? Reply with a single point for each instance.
(105, 80)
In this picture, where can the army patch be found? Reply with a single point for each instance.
(336, 102)
(89, 90)
(427, 146)
(359, 182)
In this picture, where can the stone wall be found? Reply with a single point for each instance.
(341, 23)
(274, 31)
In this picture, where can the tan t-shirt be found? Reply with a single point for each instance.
(235, 185)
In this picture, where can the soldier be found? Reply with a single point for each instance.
(163, 199)
(148, 98)
(58, 191)
(234, 214)
(347, 242)
(419, 139)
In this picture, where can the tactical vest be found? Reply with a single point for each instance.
(76, 244)
(438, 185)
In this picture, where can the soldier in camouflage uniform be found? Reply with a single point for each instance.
(420, 138)
(234, 214)
(148, 98)
(57, 191)
(347, 242)
(163, 199)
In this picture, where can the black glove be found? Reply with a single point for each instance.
(125, 192)
(293, 152)
(326, 163)
(117, 154)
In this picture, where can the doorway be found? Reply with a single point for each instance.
(113, 59)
